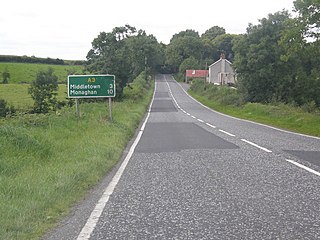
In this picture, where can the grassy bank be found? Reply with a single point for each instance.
(48, 162)
(27, 72)
(305, 119)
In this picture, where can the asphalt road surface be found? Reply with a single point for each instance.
(192, 173)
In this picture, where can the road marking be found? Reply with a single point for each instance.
(200, 120)
(193, 116)
(244, 120)
(230, 134)
(256, 145)
(188, 114)
(303, 167)
(97, 211)
(173, 98)
(208, 124)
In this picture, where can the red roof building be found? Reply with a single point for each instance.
(197, 74)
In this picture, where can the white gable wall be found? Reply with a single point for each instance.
(213, 70)
(221, 72)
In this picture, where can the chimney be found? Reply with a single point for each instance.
(222, 68)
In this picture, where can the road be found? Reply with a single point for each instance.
(193, 173)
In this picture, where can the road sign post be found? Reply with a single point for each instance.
(92, 86)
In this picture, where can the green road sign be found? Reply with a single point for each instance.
(91, 86)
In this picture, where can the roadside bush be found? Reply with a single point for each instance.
(310, 107)
(5, 109)
(43, 91)
(199, 87)
(229, 96)
(222, 95)
(5, 76)
(137, 89)
(179, 77)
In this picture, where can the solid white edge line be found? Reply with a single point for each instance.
(97, 211)
(230, 134)
(256, 145)
(303, 167)
(244, 120)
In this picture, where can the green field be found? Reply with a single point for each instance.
(17, 95)
(27, 72)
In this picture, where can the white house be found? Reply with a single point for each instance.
(221, 72)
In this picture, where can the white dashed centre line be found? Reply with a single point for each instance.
(303, 167)
(208, 124)
(230, 134)
(257, 146)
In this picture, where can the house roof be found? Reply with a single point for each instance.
(197, 73)
(219, 61)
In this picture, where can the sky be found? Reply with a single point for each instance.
(65, 28)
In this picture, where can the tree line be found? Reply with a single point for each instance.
(276, 60)
(33, 59)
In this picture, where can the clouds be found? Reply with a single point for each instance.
(65, 29)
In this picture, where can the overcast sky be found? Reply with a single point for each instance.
(65, 28)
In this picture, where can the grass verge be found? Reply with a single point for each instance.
(48, 162)
(280, 115)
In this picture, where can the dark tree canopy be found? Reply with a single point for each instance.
(124, 52)
(186, 33)
(274, 62)
(213, 32)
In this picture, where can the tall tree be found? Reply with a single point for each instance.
(124, 52)
(182, 48)
(262, 74)
(302, 44)
(223, 44)
(186, 33)
(144, 51)
(213, 32)
(309, 15)
(108, 57)
(189, 63)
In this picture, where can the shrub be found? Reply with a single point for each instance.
(137, 89)
(5, 76)
(220, 94)
(5, 109)
(43, 91)
(230, 96)
(310, 107)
